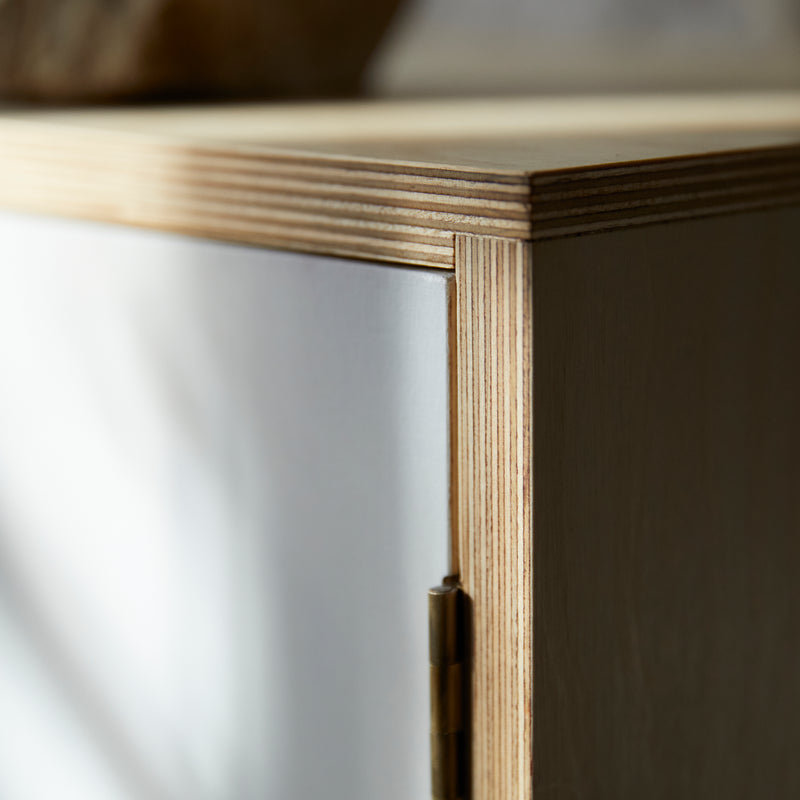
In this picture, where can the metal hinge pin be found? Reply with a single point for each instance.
(448, 682)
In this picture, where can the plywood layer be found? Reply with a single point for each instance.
(397, 181)
(260, 198)
(494, 403)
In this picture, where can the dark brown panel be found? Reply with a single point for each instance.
(667, 512)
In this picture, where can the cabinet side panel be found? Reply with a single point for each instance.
(494, 402)
(667, 463)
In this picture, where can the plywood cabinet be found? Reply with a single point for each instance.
(550, 347)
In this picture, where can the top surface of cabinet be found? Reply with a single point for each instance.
(395, 180)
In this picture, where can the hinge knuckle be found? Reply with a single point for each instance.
(448, 685)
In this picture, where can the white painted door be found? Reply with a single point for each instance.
(223, 496)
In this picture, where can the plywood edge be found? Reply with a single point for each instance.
(607, 197)
(495, 497)
(398, 209)
(360, 210)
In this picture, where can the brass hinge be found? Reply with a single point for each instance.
(447, 630)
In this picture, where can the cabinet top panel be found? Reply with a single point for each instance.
(395, 180)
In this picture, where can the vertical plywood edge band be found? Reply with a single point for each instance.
(494, 365)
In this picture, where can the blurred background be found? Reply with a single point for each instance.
(78, 50)
(519, 46)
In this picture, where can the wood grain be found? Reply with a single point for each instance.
(396, 181)
(494, 408)
(293, 202)
(667, 497)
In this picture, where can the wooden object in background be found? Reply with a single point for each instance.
(624, 388)
(89, 50)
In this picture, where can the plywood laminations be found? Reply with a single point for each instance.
(667, 512)
(495, 404)
(396, 181)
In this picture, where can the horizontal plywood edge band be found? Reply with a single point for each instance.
(156, 157)
(659, 184)
(701, 198)
(119, 207)
(641, 169)
(281, 236)
(379, 199)
(123, 187)
(652, 192)
(610, 222)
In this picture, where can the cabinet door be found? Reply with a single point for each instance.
(223, 495)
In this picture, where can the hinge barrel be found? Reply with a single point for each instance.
(448, 683)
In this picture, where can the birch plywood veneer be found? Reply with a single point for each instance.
(625, 390)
